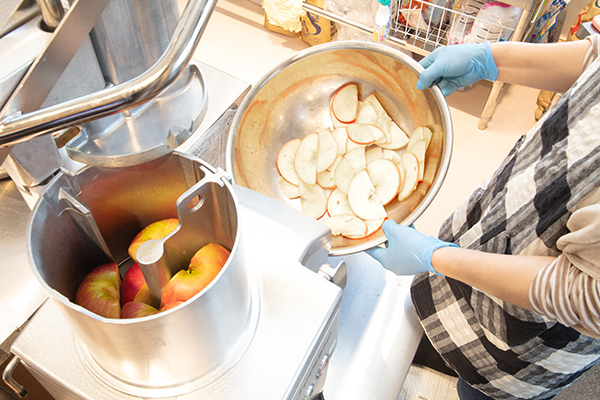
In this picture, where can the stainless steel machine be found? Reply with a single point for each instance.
(107, 123)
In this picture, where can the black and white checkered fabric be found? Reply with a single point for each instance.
(505, 351)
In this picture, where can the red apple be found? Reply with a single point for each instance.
(136, 309)
(134, 287)
(156, 230)
(170, 305)
(204, 267)
(99, 291)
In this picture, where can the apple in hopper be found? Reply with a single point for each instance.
(134, 287)
(99, 291)
(156, 230)
(137, 309)
(203, 268)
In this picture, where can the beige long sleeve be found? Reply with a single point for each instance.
(568, 290)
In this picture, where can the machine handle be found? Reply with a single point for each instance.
(178, 54)
(10, 381)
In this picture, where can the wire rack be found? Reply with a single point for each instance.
(421, 27)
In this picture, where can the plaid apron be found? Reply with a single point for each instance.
(505, 351)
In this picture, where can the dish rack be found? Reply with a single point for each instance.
(410, 30)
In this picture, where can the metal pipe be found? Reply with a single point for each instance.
(52, 12)
(134, 92)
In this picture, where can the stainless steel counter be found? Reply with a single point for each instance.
(20, 293)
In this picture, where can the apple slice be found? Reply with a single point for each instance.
(343, 174)
(327, 150)
(344, 103)
(419, 149)
(386, 178)
(374, 153)
(391, 155)
(285, 161)
(372, 226)
(313, 200)
(356, 158)
(377, 107)
(289, 189)
(421, 133)
(350, 145)
(363, 198)
(346, 225)
(337, 203)
(384, 122)
(360, 134)
(326, 179)
(398, 138)
(305, 160)
(341, 137)
(367, 114)
(411, 168)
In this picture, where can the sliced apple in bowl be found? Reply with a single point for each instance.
(344, 104)
(363, 197)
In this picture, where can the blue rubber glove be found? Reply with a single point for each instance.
(408, 251)
(456, 66)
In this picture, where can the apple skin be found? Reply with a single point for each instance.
(134, 287)
(156, 230)
(204, 267)
(170, 305)
(99, 291)
(136, 309)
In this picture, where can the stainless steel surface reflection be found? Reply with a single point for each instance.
(292, 101)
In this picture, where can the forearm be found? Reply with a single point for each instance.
(554, 67)
(507, 277)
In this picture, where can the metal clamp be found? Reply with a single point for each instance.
(337, 275)
(10, 381)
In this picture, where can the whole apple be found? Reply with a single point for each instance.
(99, 291)
(136, 309)
(204, 267)
(156, 230)
(134, 287)
(173, 304)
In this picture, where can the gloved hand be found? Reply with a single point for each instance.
(456, 66)
(408, 251)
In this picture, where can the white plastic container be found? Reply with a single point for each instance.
(383, 20)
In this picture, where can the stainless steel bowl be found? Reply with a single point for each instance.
(292, 100)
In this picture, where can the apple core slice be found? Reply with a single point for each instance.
(363, 198)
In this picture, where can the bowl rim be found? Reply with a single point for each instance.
(355, 45)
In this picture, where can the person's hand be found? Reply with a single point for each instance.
(408, 251)
(456, 66)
